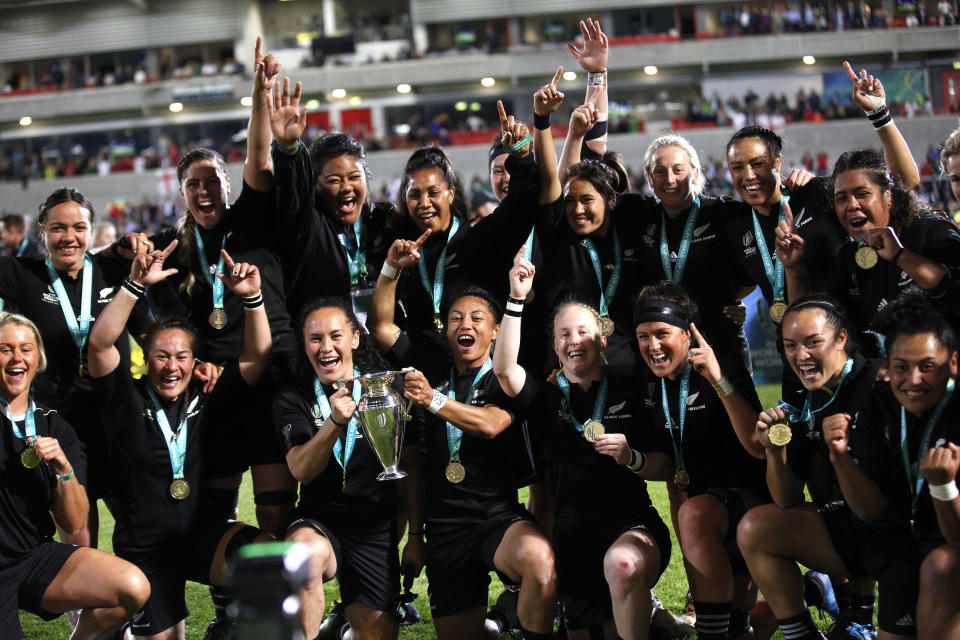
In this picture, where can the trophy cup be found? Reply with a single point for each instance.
(382, 413)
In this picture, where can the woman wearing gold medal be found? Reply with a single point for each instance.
(709, 417)
(612, 545)
(475, 458)
(42, 472)
(345, 516)
(161, 431)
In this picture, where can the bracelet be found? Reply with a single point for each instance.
(944, 492)
(66, 477)
(516, 300)
(596, 131)
(132, 289)
(897, 255)
(389, 271)
(437, 402)
(415, 533)
(337, 423)
(524, 141)
(723, 388)
(880, 117)
(253, 302)
(597, 78)
(541, 122)
(289, 150)
(513, 308)
(638, 461)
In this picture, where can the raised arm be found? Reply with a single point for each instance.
(785, 489)
(743, 417)
(939, 467)
(868, 94)
(505, 366)
(243, 279)
(593, 59)
(484, 422)
(546, 101)
(383, 329)
(145, 270)
(258, 167)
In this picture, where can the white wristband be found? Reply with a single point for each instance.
(639, 462)
(389, 271)
(944, 492)
(439, 399)
(513, 306)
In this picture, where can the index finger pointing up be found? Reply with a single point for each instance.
(422, 239)
(699, 336)
(227, 261)
(850, 71)
(556, 77)
(787, 214)
(503, 115)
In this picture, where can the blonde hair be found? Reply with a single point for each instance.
(23, 321)
(580, 305)
(697, 181)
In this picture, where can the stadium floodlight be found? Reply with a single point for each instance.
(176, 107)
(246, 101)
(26, 121)
(313, 104)
(487, 81)
(569, 75)
(650, 70)
(404, 88)
(355, 100)
(461, 106)
(339, 94)
(809, 60)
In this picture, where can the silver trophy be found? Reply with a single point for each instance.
(382, 413)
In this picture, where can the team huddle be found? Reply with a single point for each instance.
(580, 340)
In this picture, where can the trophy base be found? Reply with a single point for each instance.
(392, 473)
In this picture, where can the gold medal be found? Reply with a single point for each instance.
(455, 473)
(218, 319)
(592, 429)
(681, 479)
(866, 257)
(777, 310)
(437, 323)
(29, 459)
(779, 434)
(606, 326)
(179, 489)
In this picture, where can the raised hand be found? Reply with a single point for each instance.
(885, 241)
(512, 132)
(208, 373)
(703, 359)
(147, 268)
(768, 418)
(265, 70)
(521, 275)
(593, 56)
(405, 252)
(868, 91)
(342, 406)
(548, 99)
(735, 313)
(584, 117)
(417, 388)
(836, 433)
(242, 278)
(940, 464)
(790, 246)
(288, 120)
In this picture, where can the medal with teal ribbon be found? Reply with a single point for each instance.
(806, 414)
(675, 273)
(218, 317)
(435, 291)
(606, 294)
(176, 442)
(79, 328)
(681, 478)
(915, 479)
(341, 452)
(772, 266)
(356, 251)
(28, 457)
(455, 470)
(594, 426)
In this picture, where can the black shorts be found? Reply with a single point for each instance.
(584, 592)
(245, 437)
(460, 559)
(25, 580)
(168, 568)
(368, 564)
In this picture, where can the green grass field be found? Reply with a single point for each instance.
(671, 589)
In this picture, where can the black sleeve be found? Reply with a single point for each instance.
(868, 442)
(252, 213)
(536, 399)
(495, 396)
(936, 238)
(163, 239)
(294, 425)
(410, 351)
(70, 444)
(294, 183)
(113, 391)
(230, 386)
(115, 271)
(9, 278)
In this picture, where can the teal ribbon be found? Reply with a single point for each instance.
(606, 296)
(435, 291)
(914, 478)
(771, 266)
(528, 245)
(598, 405)
(671, 272)
(806, 414)
(29, 423)
(454, 434)
(216, 284)
(356, 255)
(176, 441)
(78, 330)
(682, 410)
(342, 453)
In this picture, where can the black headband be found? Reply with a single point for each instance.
(661, 311)
(496, 150)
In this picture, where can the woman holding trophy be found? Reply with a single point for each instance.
(475, 459)
(345, 516)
